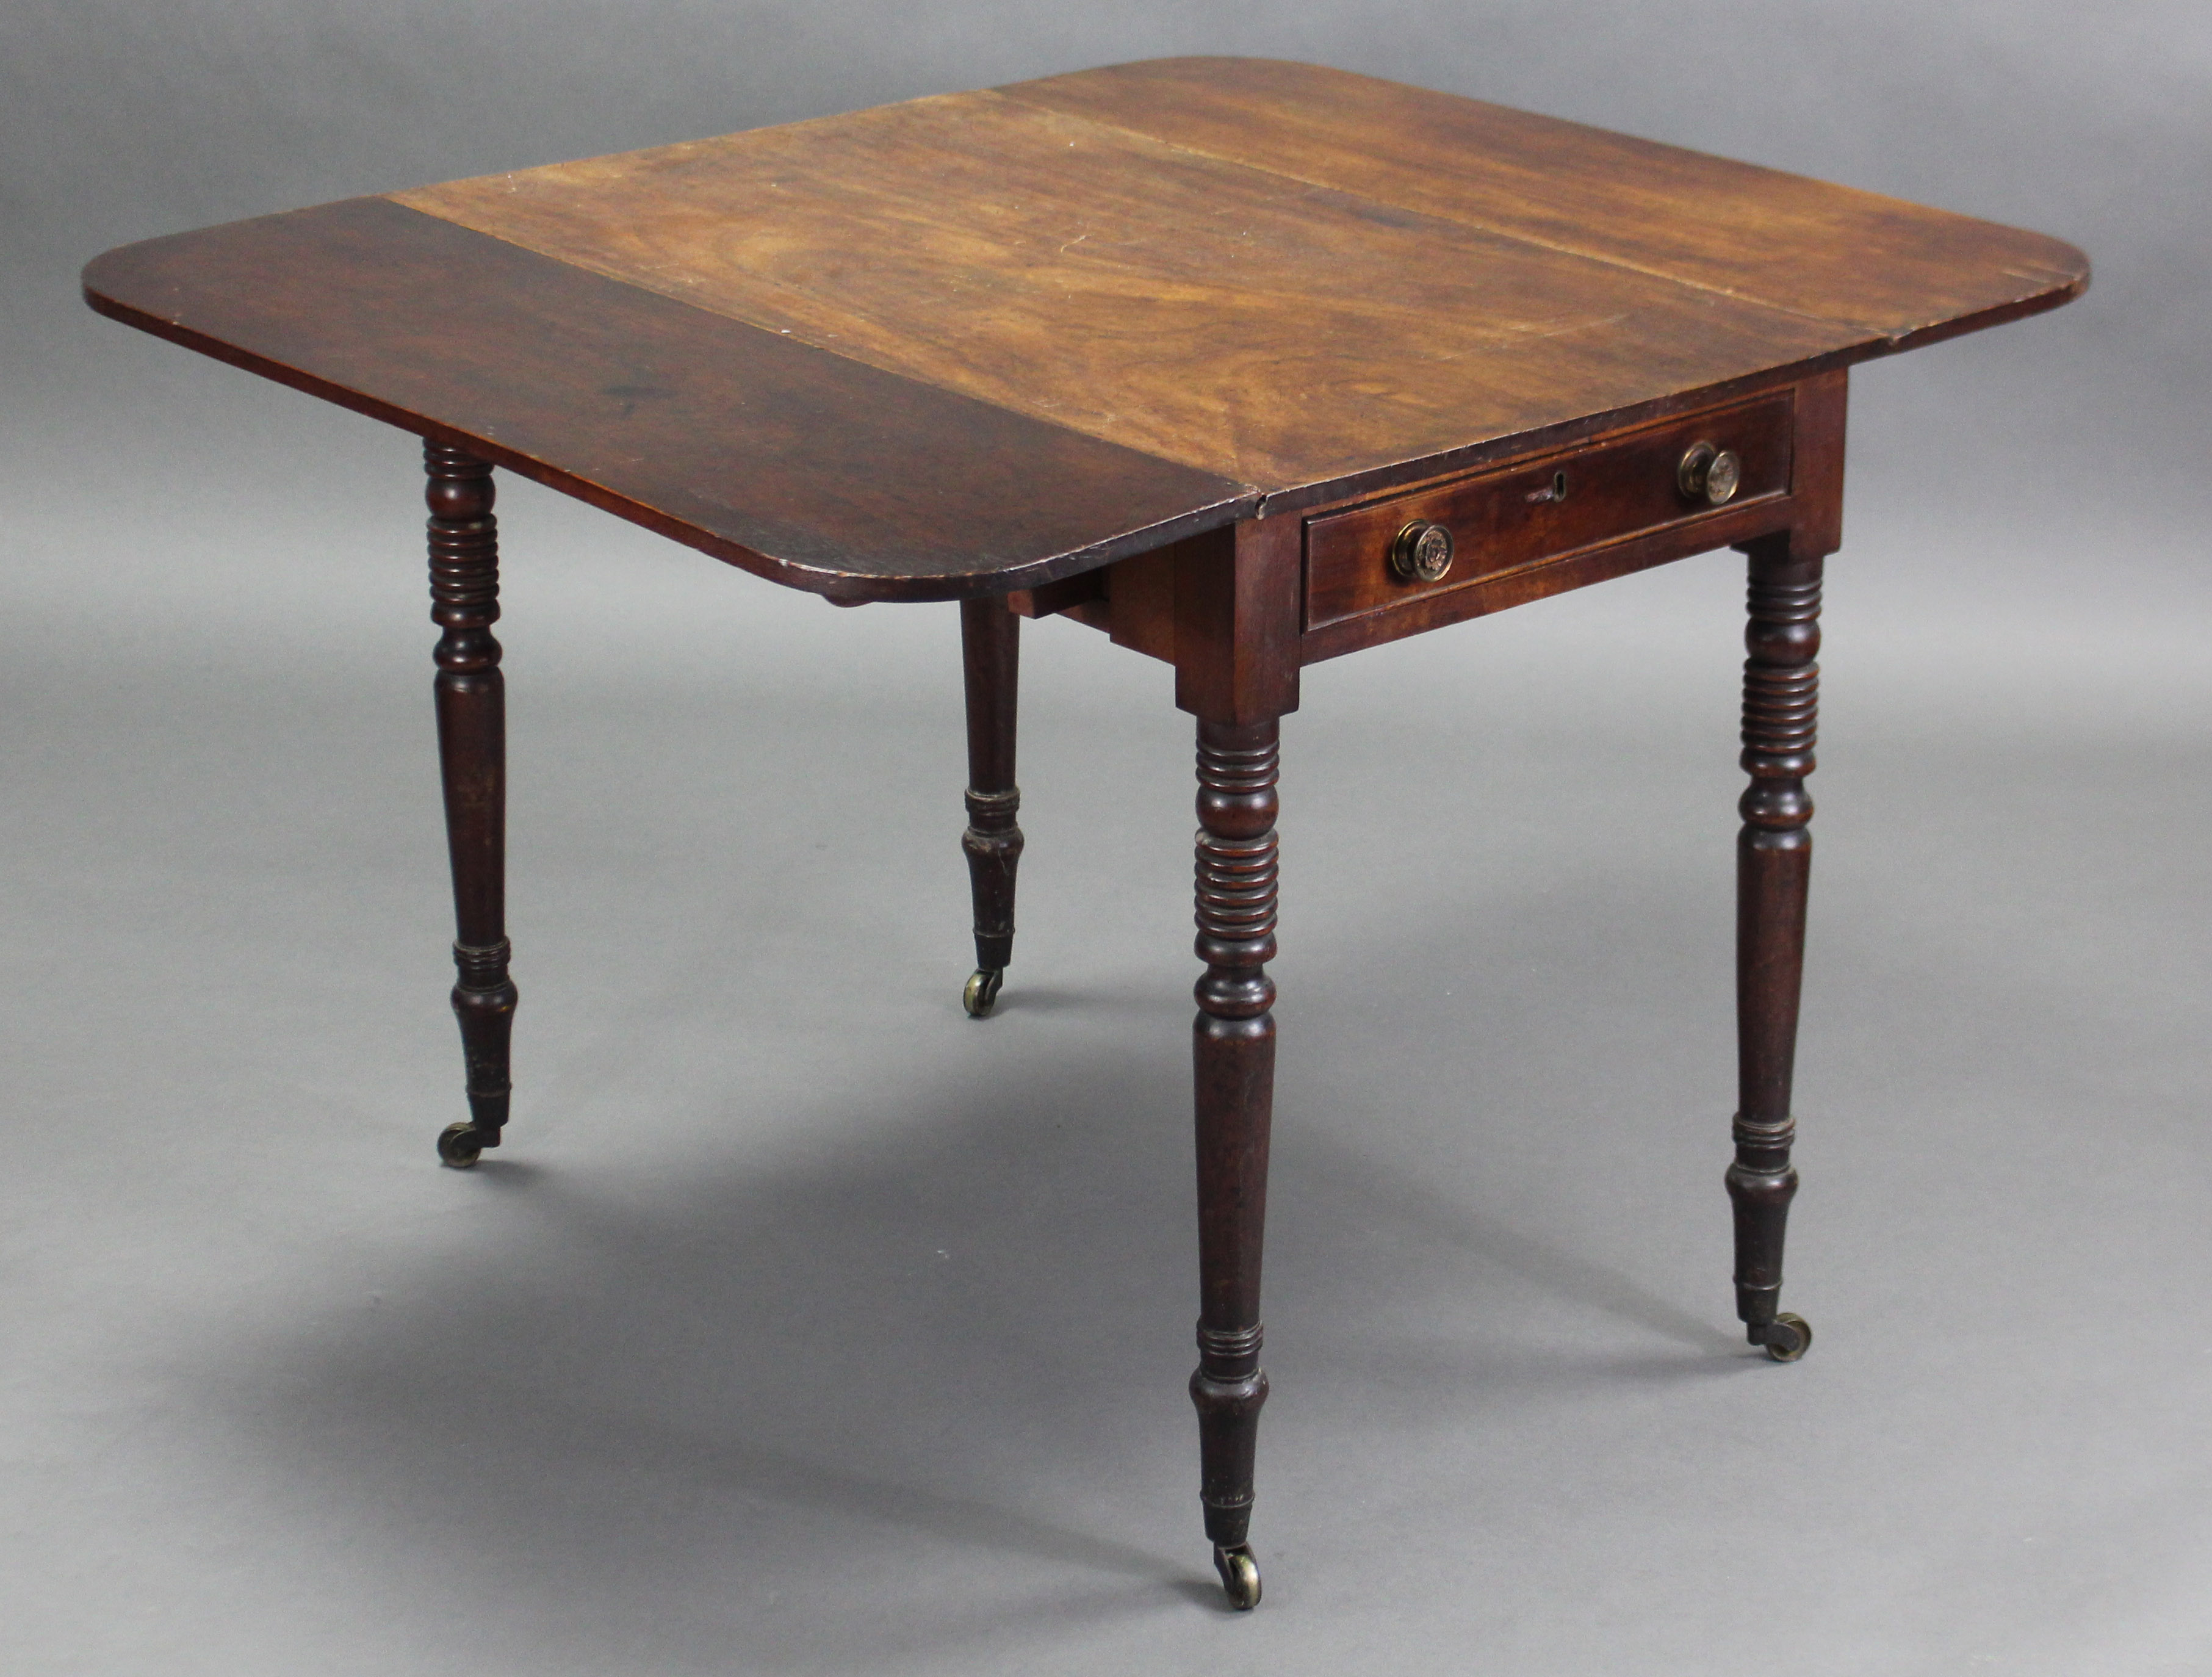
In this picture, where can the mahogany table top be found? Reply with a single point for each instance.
(989, 340)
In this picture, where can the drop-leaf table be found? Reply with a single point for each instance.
(1248, 364)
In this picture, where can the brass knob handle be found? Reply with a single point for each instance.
(1422, 553)
(1709, 474)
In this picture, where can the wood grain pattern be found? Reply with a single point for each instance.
(1254, 326)
(803, 466)
(1899, 273)
(991, 340)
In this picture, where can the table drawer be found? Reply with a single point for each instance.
(1538, 510)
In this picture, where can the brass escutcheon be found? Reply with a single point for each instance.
(1709, 474)
(1422, 553)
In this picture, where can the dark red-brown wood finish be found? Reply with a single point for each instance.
(1247, 364)
(770, 453)
(471, 701)
(990, 642)
(1774, 861)
(1233, 1067)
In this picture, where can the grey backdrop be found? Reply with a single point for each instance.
(806, 1327)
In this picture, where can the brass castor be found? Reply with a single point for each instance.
(1240, 1576)
(1786, 1337)
(982, 991)
(459, 1145)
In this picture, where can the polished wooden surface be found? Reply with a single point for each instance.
(990, 340)
(804, 466)
(1879, 266)
(1226, 317)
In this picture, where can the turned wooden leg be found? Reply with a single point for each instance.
(472, 754)
(990, 644)
(1234, 1062)
(1774, 856)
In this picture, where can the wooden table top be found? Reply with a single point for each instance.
(989, 340)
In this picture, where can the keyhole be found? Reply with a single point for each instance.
(1557, 492)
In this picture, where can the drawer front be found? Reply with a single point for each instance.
(1543, 508)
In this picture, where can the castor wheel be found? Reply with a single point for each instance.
(1786, 1337)
(459, 1145)
(1240, 1576)
(982, 990)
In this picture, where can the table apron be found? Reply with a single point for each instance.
(1555, 574)
(1565, 518)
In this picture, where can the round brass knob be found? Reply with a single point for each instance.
(1422, 553)
(1709, 474)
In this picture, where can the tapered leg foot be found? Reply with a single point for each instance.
(483, 1005)
(990, 659)
(1774, 857)
(471, 706)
